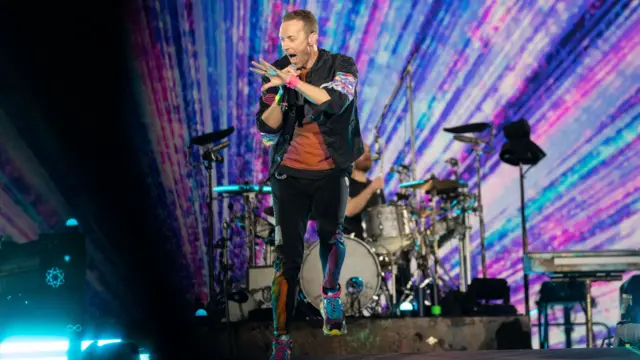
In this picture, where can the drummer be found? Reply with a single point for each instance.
(363, 193)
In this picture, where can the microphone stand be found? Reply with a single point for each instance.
(407, 72)
(210, 157)
(412, 133)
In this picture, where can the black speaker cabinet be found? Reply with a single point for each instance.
(42, 286)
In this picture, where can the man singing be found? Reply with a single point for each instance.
(363, 193)
(308, 112)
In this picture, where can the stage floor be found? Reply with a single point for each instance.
(560, 354)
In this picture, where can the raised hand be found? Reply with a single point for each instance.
(276, 77)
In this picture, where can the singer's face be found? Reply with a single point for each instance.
(364, 162)
(295, 42)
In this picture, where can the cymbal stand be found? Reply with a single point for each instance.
(394, 296)
(483, 253)
(434, 274)
(464, 248)
(464, 245)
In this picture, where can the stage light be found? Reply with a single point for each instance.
(406, 306)
(71, 222)
(201, 312)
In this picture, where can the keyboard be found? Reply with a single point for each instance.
(582, 262)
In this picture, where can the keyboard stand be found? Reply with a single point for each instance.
(588, 279)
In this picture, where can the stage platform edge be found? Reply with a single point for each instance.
(368, 336)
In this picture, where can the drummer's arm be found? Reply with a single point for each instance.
(356, 204)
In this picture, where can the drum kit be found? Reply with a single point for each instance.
(396, 267)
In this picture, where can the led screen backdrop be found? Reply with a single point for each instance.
(570, 67)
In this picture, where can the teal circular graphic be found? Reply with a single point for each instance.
(55, 277)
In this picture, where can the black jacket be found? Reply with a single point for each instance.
(337, 118)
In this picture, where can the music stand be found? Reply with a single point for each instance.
(520, 150)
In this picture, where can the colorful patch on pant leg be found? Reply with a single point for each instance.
(334, 261)
(279, 290)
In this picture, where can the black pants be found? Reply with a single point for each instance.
(294, 199)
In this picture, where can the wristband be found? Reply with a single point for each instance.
(279, 96)
(293, 82)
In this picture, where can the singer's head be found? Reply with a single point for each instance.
(364, 163)
(299, 37)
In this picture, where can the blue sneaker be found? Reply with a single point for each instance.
(332, 314)
(282, 346)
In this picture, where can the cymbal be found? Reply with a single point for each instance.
(433, 184)
(211, 137)
(241, 189)
(468, 128)
(469, 139)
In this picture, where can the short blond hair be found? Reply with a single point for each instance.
(307, 18)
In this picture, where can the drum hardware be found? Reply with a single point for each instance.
(355, 287)
(435, 309)
(442, 187)
(388, 227)
(251, 223)
(478, 151)
(463, 231)
(263, 226)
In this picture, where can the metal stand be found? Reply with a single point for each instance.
(210, 157)
(525, 241)
(483, 252)
(412, 132)
(589, 316)
(250, 228)
(464, 249)
(226, 267)
(434, 274)
(394, 295)
(464, 245)
(406, 73)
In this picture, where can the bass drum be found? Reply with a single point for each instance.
(360, 278)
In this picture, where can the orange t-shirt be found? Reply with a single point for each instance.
(307, 150)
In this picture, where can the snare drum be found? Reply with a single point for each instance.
(388, 227)
(360, 277)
